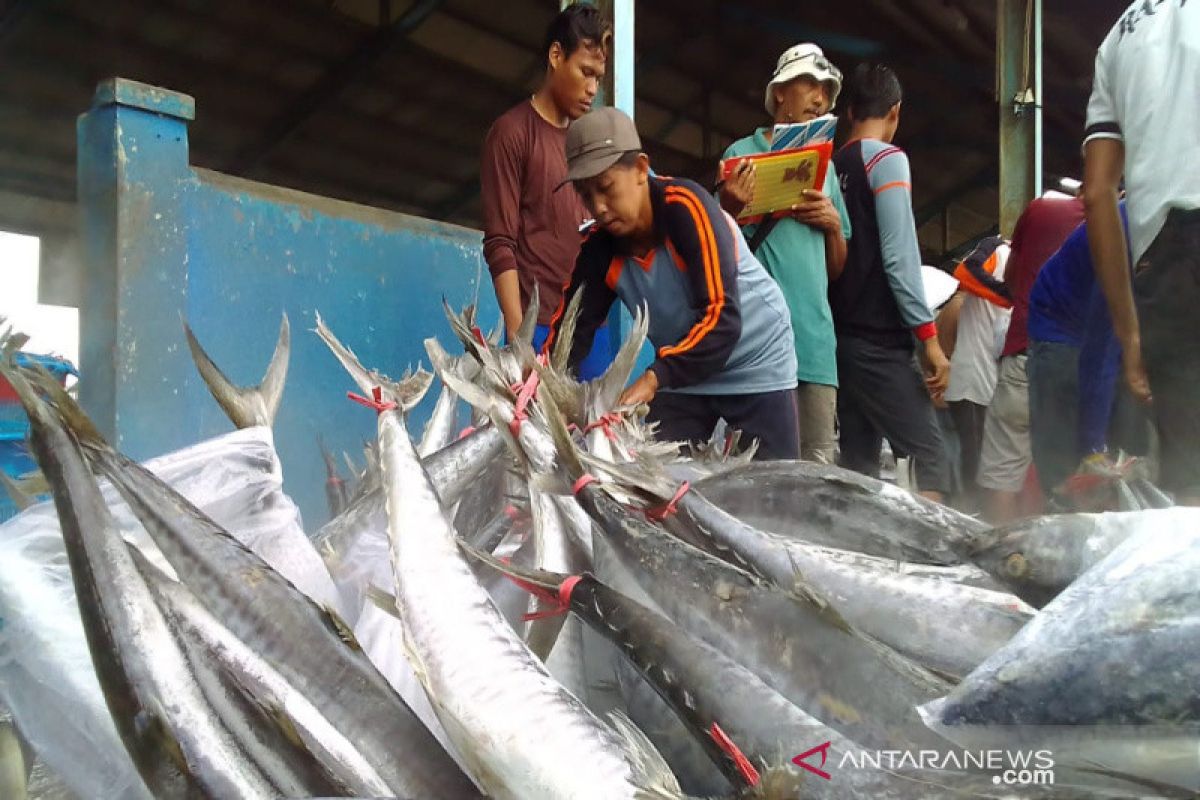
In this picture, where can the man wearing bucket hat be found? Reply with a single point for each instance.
(719, 324)
(805, 250)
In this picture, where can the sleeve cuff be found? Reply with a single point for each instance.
(661, 372)
(925, 331)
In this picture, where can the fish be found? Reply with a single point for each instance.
(746, 728)
(793, 640)
(168, 727)
(306, 643)
(523, 736)
(1105, 675)
(246, 406)
(1038, 558)
(307, 731)
(337, 495)
(941, 624)
(835, 507)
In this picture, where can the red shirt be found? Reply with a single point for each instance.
(1043, 227)
(528, 223)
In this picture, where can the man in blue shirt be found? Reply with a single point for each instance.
(719, 324)
(1074, 358)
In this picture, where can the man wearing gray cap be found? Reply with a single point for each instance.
(806, 250)
(719, 324)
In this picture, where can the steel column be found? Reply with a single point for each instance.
(1018, 95)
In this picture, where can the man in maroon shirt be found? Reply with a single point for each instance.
(1006, 452)
(531, 233)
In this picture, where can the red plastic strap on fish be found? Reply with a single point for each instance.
(566, 587)
(377, 403)
(465, 432)
(479, 335)
(659, 513)
(525, 392)
(605, 423)
(511, 512)
(583, 481)
(749, 773)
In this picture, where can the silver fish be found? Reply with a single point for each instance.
(521, 733)
(1041, 557)
(835, 507)
(309, 645)
(311, 732)
(1105, 675)
(170, 730)
(794, 641)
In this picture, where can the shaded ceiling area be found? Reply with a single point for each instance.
(386, 102)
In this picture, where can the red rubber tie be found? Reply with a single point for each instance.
(605, 423)
(525, 393)
(479, 335)
(376, 403)
(749, 773)
(467, 431)
(583, 481)
(660, 513)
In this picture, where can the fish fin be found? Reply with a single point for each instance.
(461, 327)
(651, 774)
(10, 341)
(566, 333)
(608, 387)
(339, 626)
(529, 321)
(246, 407)
(331, 469)
(385, 601)
(18, 495)
(406, 392)
(541, 578)
(76, 419)
(444, 365)
(568, 453)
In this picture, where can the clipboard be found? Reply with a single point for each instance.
(783, 177)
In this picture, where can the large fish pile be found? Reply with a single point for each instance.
(553, 604)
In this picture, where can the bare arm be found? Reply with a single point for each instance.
(1104, 163)
(508, 297)
(835, 253)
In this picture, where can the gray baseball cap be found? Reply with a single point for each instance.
(597, 140)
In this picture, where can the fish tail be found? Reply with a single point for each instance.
(246, 407)
(565, 338)
(406, 392)
(568, 453)
(20, 498)
(613, 381)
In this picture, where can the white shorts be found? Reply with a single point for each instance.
(1006, 453)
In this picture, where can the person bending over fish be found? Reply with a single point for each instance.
(719, 324)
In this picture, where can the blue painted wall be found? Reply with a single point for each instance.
(162, 238)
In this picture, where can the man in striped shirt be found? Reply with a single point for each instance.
(878, 301)
(719, 324)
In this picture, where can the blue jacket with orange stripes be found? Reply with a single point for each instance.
(717, 320)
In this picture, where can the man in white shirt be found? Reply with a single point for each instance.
(1143, 122)
(980, 327)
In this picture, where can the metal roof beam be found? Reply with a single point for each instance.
(331, 84)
